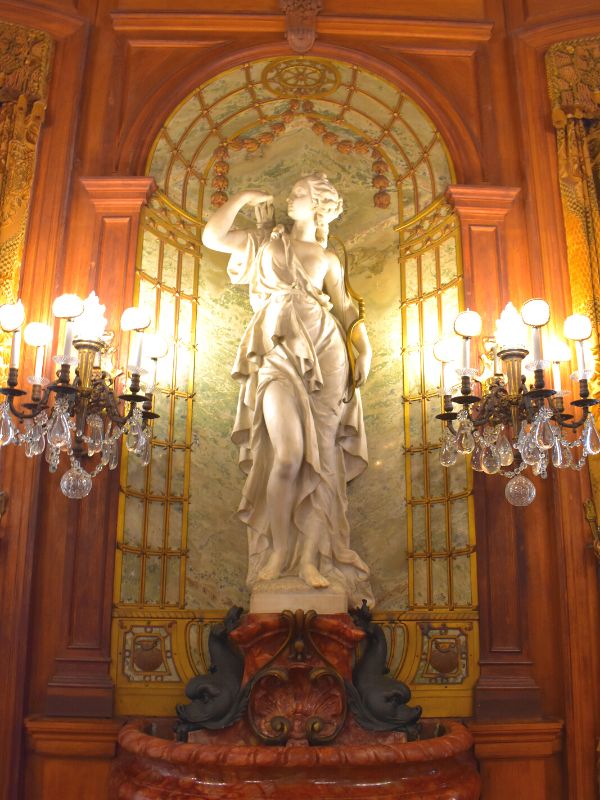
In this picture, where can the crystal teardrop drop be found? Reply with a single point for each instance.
(544, 435)
(134, 433)
(476, 458)
(490, 460)
(530, 452)
(59, 434)
(113, 462)
(96, 434)
(465, 442)
(448, 454)
(144, 452)
(7, 429)
(591, 439)
(505, 450)
(558, 454)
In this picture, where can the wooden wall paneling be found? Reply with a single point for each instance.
(41, 259)
(577, 588)
(520, 759)
(69, 758)
(81, 684)
(506, 687)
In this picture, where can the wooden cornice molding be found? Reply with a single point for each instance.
(58, 23)
(518, 739)
(542, 36)
(167, 24)
(80, 738)
(124, 195)
(484, 202)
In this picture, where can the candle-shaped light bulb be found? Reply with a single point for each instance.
(468, 325)
(12, 317)
(136, 351)
(68, 307)
(536, 314)
(558, 352)
(578, 328)
(38, 335)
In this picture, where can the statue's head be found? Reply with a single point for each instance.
(325, 202)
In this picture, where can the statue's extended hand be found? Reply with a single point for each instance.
(253, 197)
(362, 367)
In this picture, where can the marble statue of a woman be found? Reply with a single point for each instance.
(299, 441)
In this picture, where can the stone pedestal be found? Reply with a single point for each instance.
(271, 597)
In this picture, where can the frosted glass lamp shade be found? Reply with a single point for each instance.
(468, 324)
(37, 334)
(67, 306)
(535, 312)
(578, 327)
(135, 319)
(155, 346)
(12, 316)
(558, 351)
(447, 350)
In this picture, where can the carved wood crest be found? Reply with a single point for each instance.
(300, 23)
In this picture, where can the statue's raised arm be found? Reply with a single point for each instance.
(299, 441)
(218, 233)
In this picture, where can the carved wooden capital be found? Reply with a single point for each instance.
(482, 203)
(119, 195)
(300, 23)
(573, 70)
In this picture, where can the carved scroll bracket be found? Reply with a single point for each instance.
(301, 23)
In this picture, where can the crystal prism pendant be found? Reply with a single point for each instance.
(76, 484)
(591, 439)
(520, 491)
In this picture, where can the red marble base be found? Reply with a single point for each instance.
(152, 768)
(298, 663)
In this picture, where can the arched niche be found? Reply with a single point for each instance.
(182, 551)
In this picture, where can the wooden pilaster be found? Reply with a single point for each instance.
(81, 684)
(506, 687)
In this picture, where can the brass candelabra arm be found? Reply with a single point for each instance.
(38, 403)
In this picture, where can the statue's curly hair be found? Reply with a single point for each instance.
(327, 202)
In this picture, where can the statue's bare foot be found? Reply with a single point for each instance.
(272, 568)
(311, 575)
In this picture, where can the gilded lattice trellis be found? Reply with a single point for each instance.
(25, 58)
(181, 549)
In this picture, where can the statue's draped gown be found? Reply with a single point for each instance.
(293, 338)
